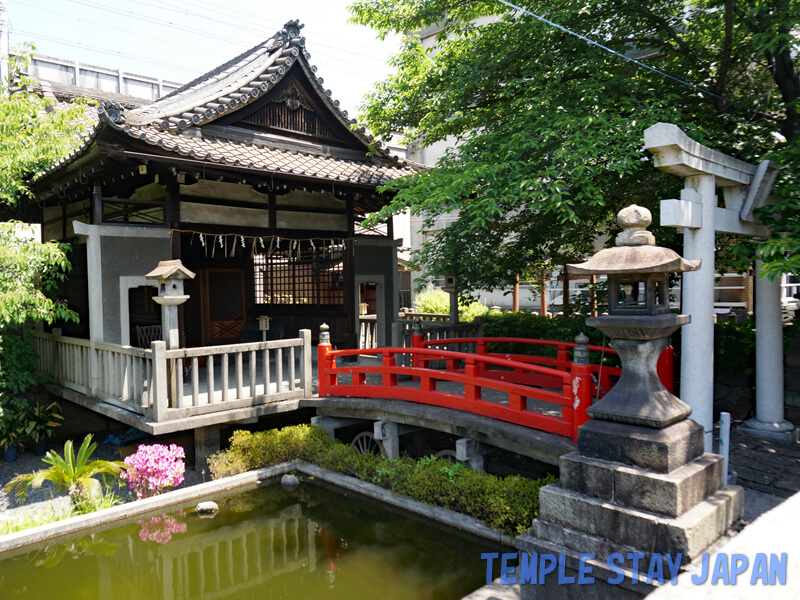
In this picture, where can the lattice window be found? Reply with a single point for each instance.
(141, 212)
(140, 299)
(301, 274)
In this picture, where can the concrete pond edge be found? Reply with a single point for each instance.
(20, 540)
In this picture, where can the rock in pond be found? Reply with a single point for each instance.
(289, 481)
(207, 509)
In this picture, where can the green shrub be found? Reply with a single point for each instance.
(533, 326)
(17, 365)
(505, 503)
(735, 345)
(432, 300)
(437, 301)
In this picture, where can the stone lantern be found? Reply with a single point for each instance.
(452, 287)
(639, 321)
(170, 275)
(640, 482)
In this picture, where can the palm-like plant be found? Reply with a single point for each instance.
(73, 473)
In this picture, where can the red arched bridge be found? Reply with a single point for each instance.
(549, 394)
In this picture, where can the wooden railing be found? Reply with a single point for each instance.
(263, 383)
(368, 331)
(494, 385)
(434, 331)
(118, 375)
(164, 385)
(605, 375)
(408, 314)
(571, 397)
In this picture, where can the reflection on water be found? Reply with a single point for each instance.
(264, 544)
(161, 528)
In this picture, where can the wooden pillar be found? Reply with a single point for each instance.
(542, 293)
(593, 295)
(273, 211)
(97, 204)
(565, 294)
(206, 442)
(515, 296)
(351, 340)
(172, 208)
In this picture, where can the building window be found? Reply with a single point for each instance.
(301, 274)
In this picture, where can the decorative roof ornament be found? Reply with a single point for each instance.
(291, 30)
(112, 112)
(293, 98)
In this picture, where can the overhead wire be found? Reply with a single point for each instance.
(358, 70)
(51, 12)
(270, 25)
(612, 51)
(98, 50)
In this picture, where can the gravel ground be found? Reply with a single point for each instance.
(45, 497)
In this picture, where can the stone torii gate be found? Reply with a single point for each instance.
(745, 187)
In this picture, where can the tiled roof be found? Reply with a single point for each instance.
(65, 92)
(93, 128)
(183, 121)
(237, 83)
(260, 152)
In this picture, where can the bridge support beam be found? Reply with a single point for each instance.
(331, 424)
(389, 433)
(206, 443)
(472, 452)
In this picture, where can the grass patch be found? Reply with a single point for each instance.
(26, 520)
(508, 504)
(56, 512)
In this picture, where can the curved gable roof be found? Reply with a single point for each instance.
(211, 120)
(236, 84)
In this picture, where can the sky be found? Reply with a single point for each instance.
(177, 40)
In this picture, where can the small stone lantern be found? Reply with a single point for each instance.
(263, 326)
(170, 275)
(638, 321)
(451, 286)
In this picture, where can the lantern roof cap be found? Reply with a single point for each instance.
(635, 250)
(167, 269)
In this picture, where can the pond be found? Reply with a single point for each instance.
(313, 542)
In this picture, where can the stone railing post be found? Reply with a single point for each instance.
(159, 397)
(55, 367)
(306, 374)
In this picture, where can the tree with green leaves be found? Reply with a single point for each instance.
(34, 134)
(546, 127)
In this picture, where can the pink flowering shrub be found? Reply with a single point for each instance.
(160, 529)
(153, 469)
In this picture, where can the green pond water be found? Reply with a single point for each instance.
(267, 543)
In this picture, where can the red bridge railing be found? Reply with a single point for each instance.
(605, 375)
(558, 381)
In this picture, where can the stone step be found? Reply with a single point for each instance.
(688, 534)
(546, 538)
(670, 494)
(662, 450)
